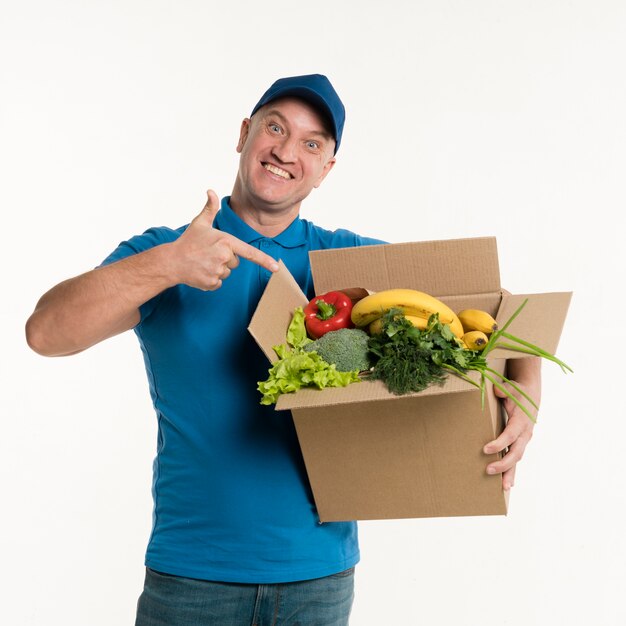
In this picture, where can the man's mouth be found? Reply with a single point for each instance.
(277, 170)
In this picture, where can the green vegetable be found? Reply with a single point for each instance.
(296, 368)
(347, 348)
(479, 363)
(296, 332)
(410, 359)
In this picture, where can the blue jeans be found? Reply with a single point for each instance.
(175, 601)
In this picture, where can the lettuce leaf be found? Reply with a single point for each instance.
(296, 333)
(296, 368)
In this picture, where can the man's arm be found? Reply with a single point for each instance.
(82, 311)
(526, 373)
(89, 308)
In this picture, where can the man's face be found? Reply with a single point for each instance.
(286, 150)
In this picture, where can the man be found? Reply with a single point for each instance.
(235, 536)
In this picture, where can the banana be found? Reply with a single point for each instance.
(475, 319)
(410, 302)
(377, 325)
(475, 339)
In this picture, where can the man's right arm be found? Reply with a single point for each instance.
(104, 302)
(99, 304)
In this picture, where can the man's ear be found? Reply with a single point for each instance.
(327, 168)
(243, 133)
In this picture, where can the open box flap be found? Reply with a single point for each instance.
(540, 322)
(440, 268)
(273, 314)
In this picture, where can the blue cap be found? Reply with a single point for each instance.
(315, 89)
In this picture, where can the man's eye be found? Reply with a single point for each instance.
(275, 128)
(312, 144)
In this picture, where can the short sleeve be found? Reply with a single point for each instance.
(140, 243)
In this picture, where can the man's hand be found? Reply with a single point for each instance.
(204, 256)
(526, 373)
(86, 309)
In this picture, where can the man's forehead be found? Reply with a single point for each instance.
(284, 108)
(318, 92)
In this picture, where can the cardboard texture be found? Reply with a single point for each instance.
(273, 314)
(370, 454)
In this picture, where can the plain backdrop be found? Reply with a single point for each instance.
(463, 119)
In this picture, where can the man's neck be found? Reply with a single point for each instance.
(268, 222)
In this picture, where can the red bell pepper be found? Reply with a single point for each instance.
(330, 311)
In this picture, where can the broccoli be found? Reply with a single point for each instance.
(346, 348)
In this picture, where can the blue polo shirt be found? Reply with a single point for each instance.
(232, 500)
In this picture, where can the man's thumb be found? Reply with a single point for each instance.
(210, 208)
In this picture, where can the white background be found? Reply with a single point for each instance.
(463, 119)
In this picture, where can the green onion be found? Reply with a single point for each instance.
(408, 359)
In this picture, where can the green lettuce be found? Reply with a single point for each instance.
(296, 368)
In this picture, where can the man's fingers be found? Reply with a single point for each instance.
(246, 251)
(501, 443)
(515, 427)
(500, 393)
(511, 434)
(508, 478)
(239, 248)
(512, 442)
(233, 262)
(513, 454)
(519, 425)
(207, 255)
(210, 208)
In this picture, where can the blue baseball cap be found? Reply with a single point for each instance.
(315, 89)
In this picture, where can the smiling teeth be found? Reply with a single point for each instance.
(277, 171)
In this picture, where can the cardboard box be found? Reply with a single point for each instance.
(370, 454)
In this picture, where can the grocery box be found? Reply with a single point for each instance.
(370, 454)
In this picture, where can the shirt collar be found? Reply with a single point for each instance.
(228, 221)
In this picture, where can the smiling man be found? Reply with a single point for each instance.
(235, 537)
(287, 148)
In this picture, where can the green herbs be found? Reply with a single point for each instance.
(479, 363)
(408, 359)
(296, 368)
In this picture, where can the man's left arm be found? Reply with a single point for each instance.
(526, 373)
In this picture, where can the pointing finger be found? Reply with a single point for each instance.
(250, 253)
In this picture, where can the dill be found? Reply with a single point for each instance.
(408, 359)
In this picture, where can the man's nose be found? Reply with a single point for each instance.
(285, 150)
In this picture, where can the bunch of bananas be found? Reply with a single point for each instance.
(417, 306)
(477, 326)
(470, 326)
